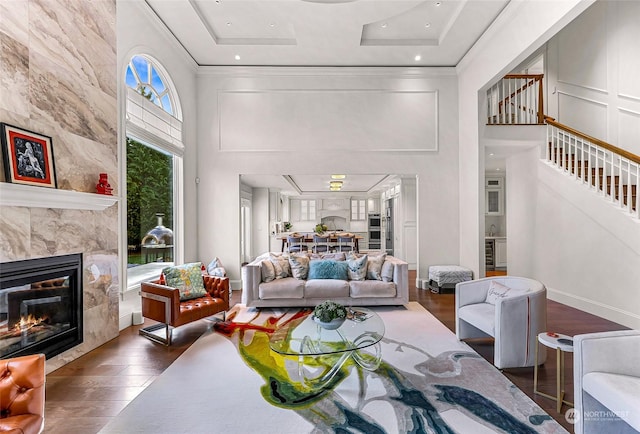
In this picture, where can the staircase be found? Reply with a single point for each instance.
(609, 171)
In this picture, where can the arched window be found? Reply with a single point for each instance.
(153, 151)
(144, 77)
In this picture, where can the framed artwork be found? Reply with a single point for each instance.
(28, 157)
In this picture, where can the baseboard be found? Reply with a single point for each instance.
(125, 321)
(622, 317)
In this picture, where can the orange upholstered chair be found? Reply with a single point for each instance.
(22, 394)
(162, 303)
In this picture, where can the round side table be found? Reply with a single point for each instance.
(562, 344)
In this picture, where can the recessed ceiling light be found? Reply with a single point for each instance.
(498, 169)
(335, 184)
(491, 154)
(427, 25)
(438, 3)
(237, 57)
(229, 23)
(417, 58)
(272, 24)
(338, 176)
(334, 189)
(383, 25)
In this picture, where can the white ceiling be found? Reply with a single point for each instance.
(327, 32)
(318, 185)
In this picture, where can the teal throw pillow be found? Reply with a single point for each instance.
(187, 278)
(328, 269)
(357, 267)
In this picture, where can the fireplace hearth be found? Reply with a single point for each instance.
(40, 305)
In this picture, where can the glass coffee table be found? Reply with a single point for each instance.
(305, 338)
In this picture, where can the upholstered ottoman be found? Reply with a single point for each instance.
(445, 277)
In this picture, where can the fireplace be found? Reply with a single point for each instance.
(40, 305)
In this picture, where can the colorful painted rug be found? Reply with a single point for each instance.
(229, 381)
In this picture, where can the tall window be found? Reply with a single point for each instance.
(154, 165)
(149, 204)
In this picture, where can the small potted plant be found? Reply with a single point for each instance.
(329, 314)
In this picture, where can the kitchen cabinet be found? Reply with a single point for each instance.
(494, 196)
(501, 253)
(373, 205)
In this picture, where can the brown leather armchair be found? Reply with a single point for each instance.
(22, 394)
(162, 303)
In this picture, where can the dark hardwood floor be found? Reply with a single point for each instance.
(84, 395)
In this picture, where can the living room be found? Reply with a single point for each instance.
(438, 136)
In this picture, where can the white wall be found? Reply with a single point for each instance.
(592, 65)
(140, 32)
(260, 222)
(430, 95)
(522, 27)
(584, 249)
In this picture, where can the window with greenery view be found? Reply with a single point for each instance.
(149, 191)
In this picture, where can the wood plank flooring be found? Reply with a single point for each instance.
(84, 395)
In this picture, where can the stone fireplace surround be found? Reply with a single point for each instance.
(36, 222)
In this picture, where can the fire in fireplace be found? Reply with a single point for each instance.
(40, 305)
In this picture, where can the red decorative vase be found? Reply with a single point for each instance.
(103, 186)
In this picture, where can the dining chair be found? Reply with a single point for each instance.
(296, 244)
(345, 244)
(320, 244)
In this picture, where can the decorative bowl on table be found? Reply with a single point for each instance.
(330, 325)
(329, 314)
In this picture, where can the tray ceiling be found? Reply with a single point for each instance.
(327, 32)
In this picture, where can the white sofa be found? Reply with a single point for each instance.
(514, 321)
(607, 382)
(290, 291)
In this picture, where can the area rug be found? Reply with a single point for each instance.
(229, 381)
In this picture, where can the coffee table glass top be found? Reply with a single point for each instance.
(306, 337)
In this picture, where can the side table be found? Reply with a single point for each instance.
(562, 344)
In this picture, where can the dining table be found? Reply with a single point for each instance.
(333, 238)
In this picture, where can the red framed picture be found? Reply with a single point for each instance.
(28, 157)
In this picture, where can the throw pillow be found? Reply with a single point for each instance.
(374, 266)
(187, 278)
(328, 269)
(357, 267)
(387, 271)
(281, 266)
(339, 256)
(268, 272)
(299, 266)
(496, 292)
(215, 268)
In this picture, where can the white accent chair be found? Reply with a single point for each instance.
(606, 381)
(514, 321)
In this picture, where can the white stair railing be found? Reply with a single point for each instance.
(610, 171)
(516, 100)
